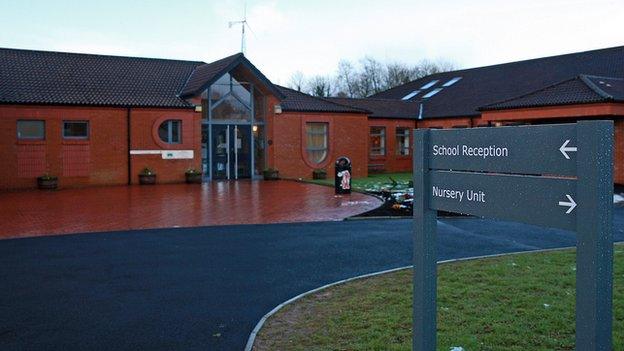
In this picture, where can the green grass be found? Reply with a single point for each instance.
(517, 302)
(374, 182)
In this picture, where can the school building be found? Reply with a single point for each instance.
(99, 120)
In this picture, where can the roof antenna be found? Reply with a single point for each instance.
(243, 23)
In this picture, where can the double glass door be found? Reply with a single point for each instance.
(231, 151)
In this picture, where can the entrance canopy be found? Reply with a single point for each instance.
(234, 97)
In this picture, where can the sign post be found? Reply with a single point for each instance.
(552, 175)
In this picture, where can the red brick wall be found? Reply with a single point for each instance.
(144, 129)
(100, 160)
(390, 162)
(97, 161)
(348, 135)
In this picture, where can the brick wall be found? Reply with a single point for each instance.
(348, 135)
(102, 159)
(390, 161)
(144, 129)
(97, 161)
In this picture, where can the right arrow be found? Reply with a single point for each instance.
(571, 204)
(565, 149)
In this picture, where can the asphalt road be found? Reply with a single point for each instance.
(205, 288)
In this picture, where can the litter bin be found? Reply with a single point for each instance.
(342, 179)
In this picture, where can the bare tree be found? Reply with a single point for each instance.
(369, 76)
(297, 81)
(398, 74)
(346, 80)
(320, 86)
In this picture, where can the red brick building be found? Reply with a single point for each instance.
(99, 120)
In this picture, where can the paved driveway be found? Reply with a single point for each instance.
(97, 209)
(205, 288)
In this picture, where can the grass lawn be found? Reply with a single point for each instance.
(374, 182)
(517, 302)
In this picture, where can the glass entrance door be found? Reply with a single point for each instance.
(231, 151)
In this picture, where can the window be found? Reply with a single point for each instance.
(429, 85)
(377, 141)
(432, 93)
(170, 131)
(316, 141)
(411, 95)
(30, 130)
(451, 82)
(403, 141)
(75, 129)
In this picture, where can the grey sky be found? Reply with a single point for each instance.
(312, 36)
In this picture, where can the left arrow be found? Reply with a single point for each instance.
(570, 203)
(565, 149)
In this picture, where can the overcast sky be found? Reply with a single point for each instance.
(312, 36)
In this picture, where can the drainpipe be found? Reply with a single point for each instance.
(128, 139)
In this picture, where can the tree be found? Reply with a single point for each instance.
(346, 80)
(297, 81)
(369, 76)
(320, 86)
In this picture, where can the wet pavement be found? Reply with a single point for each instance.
(95, 209)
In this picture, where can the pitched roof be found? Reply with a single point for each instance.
(581, 89)
(203, 76)
(486, 85)
(297, 101)
(47, 77)
(382, 108)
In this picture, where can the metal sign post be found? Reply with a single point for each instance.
(553, 175)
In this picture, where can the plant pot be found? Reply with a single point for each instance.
(271, 175)
(47, 183)
(147, 179)
(193, 178)
(319, 175)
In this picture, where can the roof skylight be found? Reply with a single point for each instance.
(432, 93)
(411, 95)
(429, 85)
(451, 82)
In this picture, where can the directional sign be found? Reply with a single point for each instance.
(556, 176)
(536, 150)
(534, 200)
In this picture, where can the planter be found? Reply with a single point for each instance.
(271, 174)
(193, 178)
(47, 183)
(319, 174)
(147, 179)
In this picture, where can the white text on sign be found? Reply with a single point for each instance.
(471, 151)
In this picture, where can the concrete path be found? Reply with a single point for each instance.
(205, 288)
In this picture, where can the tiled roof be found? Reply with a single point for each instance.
(45, 77)
(486, 85)
(206, 73)
(382, 108)
(581, 89)
(203, 76)
(297, 101)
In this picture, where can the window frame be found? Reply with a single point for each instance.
(21, 138)
(401, 149)
(169, 123)
(382, 135)
(86, 137)
(308, 149)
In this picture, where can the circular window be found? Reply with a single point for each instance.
(170, 131)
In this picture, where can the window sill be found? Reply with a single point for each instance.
(30, 142)
(75, 142)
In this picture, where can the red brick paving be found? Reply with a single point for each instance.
(38, 213)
